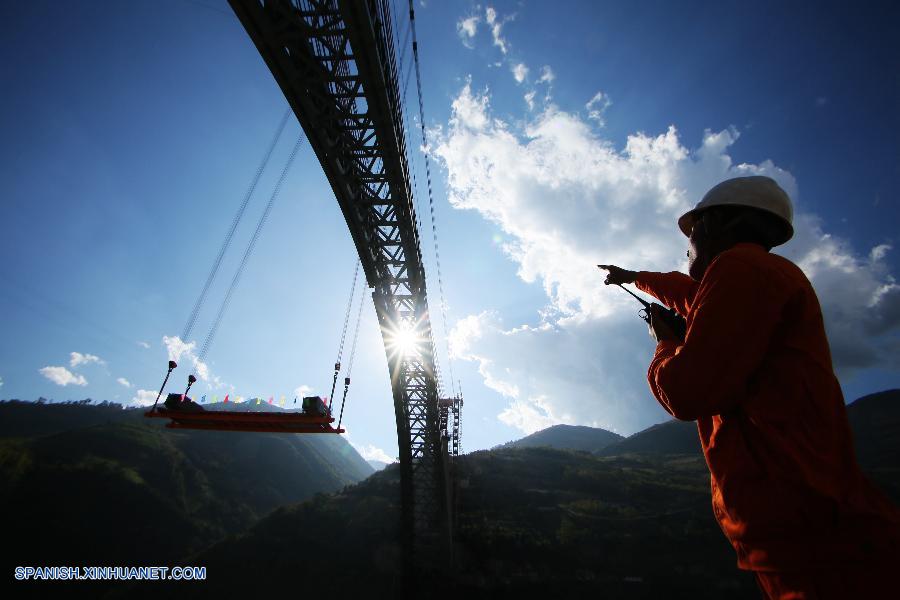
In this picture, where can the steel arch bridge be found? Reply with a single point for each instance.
(335, 62)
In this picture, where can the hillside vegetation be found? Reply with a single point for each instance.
(538, 520)
(116, 488)
(568, 437)
(629, 523)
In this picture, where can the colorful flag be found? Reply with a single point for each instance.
(257, 400)
(215, 399)
(282, 400)
(226, 398)
(270, 399)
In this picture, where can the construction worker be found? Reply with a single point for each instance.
(754, 370)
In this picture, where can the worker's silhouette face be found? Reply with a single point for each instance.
(703, 243)
(711, 234)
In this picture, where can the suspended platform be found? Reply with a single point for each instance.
(220, 420)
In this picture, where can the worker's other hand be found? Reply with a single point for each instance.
(618, 275)
(659, 328)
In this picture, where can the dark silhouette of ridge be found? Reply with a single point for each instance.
(568, 437)
(671, 437)
(631, 521)
(101, 485)
(875, 420)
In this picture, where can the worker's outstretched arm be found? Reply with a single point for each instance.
(675, 290)
(735, 312)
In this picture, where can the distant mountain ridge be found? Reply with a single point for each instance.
(874, 419)
(568, 437)
(671, 437)
(529, 521)
(538, 522)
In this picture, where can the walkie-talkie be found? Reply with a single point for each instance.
(675, 321)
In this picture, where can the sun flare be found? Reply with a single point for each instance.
(405, 340)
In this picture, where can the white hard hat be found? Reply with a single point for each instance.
(757, 192)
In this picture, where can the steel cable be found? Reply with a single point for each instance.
(362, 298)
(192, 319)
(437, 254)
(249, 250)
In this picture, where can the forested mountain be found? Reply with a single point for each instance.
(103, 485)
(535, 521)
(568, 437)
(633, 524)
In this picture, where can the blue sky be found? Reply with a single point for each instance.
(563, 135)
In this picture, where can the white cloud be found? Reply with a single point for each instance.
(529, 99)
(177, 348)
(530, 416)
(567, 199)
(1, 382)
(461, 341)
(371, 452)
(520, 72)
(547, 75)
(124, 382)
(496, 24)
(144, 398)
(144, 345)
(466, 28)
(302, 391)
(77, 358)
(597, 107)
(62, 376)
(470, 111)
(464, 334)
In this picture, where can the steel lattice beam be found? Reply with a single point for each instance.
(335, 62)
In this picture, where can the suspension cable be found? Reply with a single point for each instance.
(362, 298)
(249, 250)
(337, 362)
(192, 319)
(437, 254)
(401, 46)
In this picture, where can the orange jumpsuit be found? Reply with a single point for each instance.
(755, 372)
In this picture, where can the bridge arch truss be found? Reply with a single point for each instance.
(335, 62)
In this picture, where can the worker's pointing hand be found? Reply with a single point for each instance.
(618, 275)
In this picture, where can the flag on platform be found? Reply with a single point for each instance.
(282, 400)
(215, 399)
(257, 400)
(226, 398)
(270, 399)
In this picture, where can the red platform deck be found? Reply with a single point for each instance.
(219, 420)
